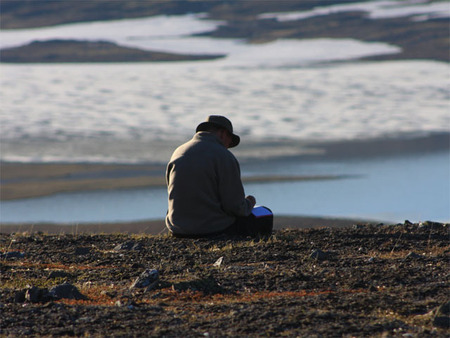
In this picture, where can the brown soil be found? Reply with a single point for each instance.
(367, 280)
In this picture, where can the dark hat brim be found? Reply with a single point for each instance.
(235, 139)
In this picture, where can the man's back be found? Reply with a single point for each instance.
(204, 186)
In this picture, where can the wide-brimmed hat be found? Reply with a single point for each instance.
(221, 122)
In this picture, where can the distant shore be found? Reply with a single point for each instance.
(28, 180)
(241, 21)
(70, 51)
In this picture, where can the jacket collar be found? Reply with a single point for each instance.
(207, 136)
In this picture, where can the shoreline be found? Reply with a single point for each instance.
(157, 227)
(32, 180)
(238, 26)
(20, 180)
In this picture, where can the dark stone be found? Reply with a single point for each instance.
(82, 251)
(19, 296)
(67, 291)
(431, 225)
(148, 279)
(13, 254)
(413, 255)
(320, 255)
(37, 295)
(442, 318)
(130, 245)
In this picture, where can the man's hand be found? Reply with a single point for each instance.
(251, 199)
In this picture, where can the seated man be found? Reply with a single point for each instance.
(205, 191)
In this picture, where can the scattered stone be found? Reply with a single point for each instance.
(260, 278)
(219, 262)
(320, 255)
(442, 317)
(430, 225)
(148, 279)
(137, 266)
(130, 245)
(37, 295)
(66, 290)
(80, 251)
(413, 255)
(19, 296)
(407, 222)
(12, 254)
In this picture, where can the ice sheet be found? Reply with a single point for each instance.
(133, 112)
(421, 9)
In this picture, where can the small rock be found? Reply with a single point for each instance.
(407, 222)
(80, 251)
(442, 318)
(13, 254)
(137, 266)
(19, 296)
(66, 290)
(130, 245)
(218, 262)
(320, 255)
(37, 295)
(413, 255)
(430, 225)
(148, 279)
(131, 305)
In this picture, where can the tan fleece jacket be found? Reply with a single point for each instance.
(204, 187)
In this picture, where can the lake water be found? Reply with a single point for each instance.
(387, 189)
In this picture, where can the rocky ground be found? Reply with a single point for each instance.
(363, 280)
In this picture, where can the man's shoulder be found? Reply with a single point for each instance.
(204, 144)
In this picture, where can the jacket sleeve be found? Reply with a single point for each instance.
(231, 190)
